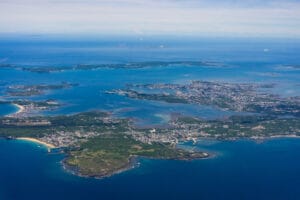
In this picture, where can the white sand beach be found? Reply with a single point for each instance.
(49, 146)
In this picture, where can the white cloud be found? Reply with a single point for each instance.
(150, 17)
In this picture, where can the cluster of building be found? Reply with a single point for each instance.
(231, 96)
(68, 138)
(25, 122)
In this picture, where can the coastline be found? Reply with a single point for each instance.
(49, 146)
(74, 170)
(285, 136)
(266, 138)
(133, 162)
(20, 108)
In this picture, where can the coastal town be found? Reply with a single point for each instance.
(240, 97)
(27, 108)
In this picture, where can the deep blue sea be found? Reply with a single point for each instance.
(239, 170)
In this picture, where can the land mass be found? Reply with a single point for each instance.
(131, 65)
(32, 90)
(28, 108)
(240, 97)
(99, 145)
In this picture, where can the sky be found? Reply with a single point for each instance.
(152, 17)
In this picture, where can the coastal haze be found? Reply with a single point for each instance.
(149, 99)
(279, 18)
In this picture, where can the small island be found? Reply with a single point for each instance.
(130, 65)
(33, 90)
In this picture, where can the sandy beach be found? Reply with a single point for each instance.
(285, 136)
(49, 146)
(21, 108)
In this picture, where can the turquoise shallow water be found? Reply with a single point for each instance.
(240, 170)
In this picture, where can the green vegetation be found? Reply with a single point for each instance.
(241, 126)
(108, 154)
(38, 127)
(156, 97)
(21, 131)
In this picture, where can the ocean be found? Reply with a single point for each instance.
(7, 108)
(241, 169)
